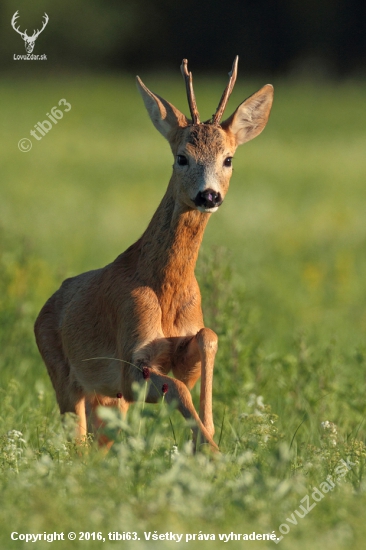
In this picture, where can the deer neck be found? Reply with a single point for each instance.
(170, 245)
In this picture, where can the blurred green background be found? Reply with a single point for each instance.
(282, 268)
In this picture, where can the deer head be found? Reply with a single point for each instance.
(28, 40)
(203, 151)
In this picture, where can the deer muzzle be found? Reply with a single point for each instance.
(208, 199)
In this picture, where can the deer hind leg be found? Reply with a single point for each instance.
(82, 426)
(69, 396)
(197, 358)
(71, 399)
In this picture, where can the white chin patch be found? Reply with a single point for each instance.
(207, 210)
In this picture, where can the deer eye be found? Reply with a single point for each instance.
(182, 160)
(228, 161)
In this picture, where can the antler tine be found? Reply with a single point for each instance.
(44, 23)
(227, 92)
(190, 93)
(14, 21)
(14, 18)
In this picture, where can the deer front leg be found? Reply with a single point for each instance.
(174, 391)
(197, 357)
(207, 345)
(97, 424)
(178, 392)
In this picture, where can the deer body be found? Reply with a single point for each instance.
(140, 317)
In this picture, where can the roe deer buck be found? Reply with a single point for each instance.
(140, 316)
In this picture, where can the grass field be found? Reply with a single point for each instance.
(284, 258)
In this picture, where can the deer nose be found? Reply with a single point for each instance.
(208, 198)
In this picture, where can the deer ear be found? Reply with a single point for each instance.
(165, 117)
(251, 116)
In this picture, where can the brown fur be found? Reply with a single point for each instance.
(99, 330)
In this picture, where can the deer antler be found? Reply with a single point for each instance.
(46, 19)
(190, 93)
(227, 92)
(13, 21)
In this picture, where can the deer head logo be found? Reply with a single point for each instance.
(28, 40)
